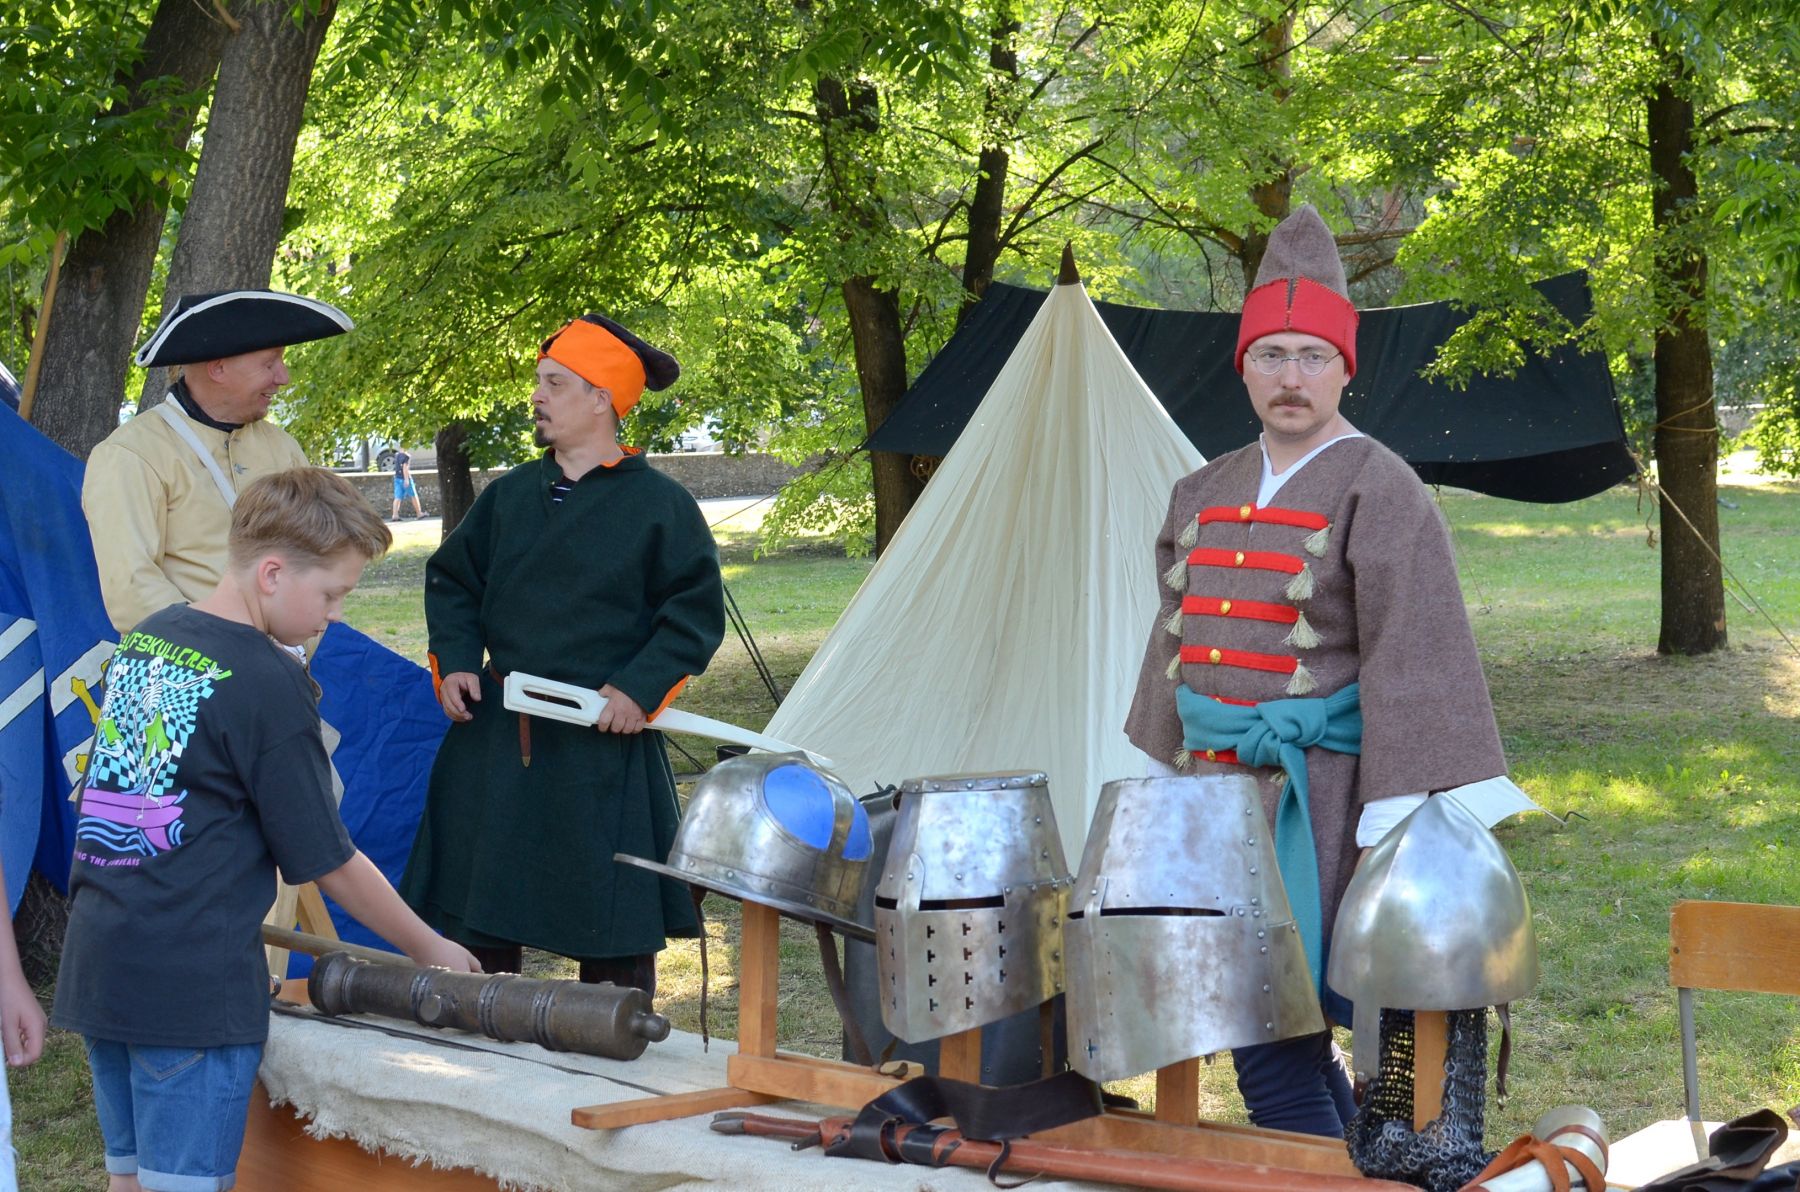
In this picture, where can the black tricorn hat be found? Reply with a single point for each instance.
(231, 322)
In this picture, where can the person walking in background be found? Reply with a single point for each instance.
(404, 488)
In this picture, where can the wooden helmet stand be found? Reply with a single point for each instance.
(760, 1073)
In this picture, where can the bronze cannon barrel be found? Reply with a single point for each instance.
(604, 1020)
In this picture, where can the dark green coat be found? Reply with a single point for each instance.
(618, 584)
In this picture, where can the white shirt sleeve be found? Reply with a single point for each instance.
(1381, 815)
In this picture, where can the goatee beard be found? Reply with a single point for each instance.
(538, 436)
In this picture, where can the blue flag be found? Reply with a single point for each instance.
(382, 705)
(55, 644)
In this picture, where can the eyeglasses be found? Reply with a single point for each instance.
(1268, 361)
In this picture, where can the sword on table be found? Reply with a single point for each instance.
(538, 696)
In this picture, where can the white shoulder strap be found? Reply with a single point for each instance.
(180, 425)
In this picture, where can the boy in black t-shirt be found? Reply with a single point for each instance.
(207, 774)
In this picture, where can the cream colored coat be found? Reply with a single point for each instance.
(158, 521)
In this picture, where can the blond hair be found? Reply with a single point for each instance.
(307, 514)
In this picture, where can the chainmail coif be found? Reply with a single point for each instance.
(1448, 1152)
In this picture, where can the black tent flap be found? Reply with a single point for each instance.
(1550, 432)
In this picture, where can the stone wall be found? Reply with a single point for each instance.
(706, 474)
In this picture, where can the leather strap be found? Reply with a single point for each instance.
(1556, 1161)
(1504, 1062)
(170, 412)
(840, 997)
(994, 1114)
(524, 724)
(698, 894)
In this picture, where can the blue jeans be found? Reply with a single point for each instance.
(173, 1116)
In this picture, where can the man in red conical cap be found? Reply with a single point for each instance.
(1309, 579)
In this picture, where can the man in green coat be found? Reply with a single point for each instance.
(589, 567)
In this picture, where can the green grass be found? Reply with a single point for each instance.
(1681, 778)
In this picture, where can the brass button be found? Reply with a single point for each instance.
(1244, 512)
(1224, 608)
(1212, 755)
(1214, 656)
(1240, 558)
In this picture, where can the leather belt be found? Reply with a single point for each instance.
(524, 722)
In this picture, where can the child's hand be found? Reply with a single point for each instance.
(22, 1023)
(447, 954)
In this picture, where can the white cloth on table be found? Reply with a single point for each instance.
(499, 1112)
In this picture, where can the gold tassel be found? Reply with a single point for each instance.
(1301, 635)
(1315, 542)
(1184, 760)
(1301, 586)
(1302, 681)
(1174, 671)
(1190, 535)
(1172, 626)
(1176, 576)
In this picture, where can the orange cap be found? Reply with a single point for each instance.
(600, 358)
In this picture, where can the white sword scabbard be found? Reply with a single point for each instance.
(538, 696)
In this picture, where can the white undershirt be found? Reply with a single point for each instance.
(1271, 483)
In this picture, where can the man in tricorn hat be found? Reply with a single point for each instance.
(159, 490)
(586, 566)
(1313, 635)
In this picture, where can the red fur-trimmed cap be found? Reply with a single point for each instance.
(1300, 287)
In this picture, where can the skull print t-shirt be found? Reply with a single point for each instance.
(207, 773)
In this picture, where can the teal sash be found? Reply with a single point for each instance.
(1277, 733)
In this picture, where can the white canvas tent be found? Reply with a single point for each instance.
(1003, 626)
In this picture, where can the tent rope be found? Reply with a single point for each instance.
(742, 625)
(1748, 599)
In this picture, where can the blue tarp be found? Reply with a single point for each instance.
(391, 725)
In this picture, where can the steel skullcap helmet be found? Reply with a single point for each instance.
(773, 828)
(968, 913)
(1180, 941)
(1435, 918)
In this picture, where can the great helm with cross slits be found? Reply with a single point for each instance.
(969, 908)
(1179, 940)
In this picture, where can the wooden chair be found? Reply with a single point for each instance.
(1727, 945)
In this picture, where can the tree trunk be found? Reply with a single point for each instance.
(881, 371)
(233, 220)
(41, 926)
(456, 487)
(100, 302)
(1273, 197)
(1686, 439)
(987, 205)
(848, 119)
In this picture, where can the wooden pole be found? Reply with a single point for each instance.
(759, 975)
(1431, 1037)
(28, 394)
(959, 1056)
(1178, 1092)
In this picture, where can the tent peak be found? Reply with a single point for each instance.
(1069, 275)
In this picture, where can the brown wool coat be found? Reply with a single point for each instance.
(1388, 612)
